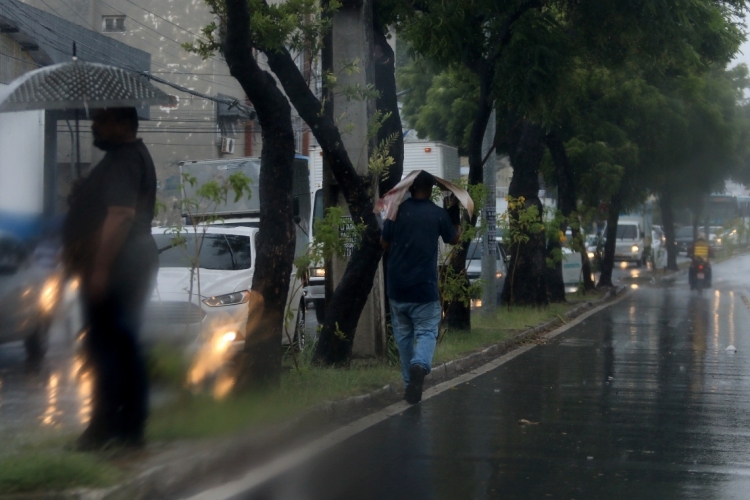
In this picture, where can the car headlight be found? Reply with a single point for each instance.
(634, 248)
(591, 255)
(49, 294)
(318, 272)
(718, 240)
(230, 299)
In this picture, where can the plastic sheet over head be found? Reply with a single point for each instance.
(387, 206)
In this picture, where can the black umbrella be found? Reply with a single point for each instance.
(79, 85)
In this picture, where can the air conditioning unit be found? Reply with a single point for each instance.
(227, 145)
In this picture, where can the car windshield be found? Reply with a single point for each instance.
(684, 232)
(629, 231)
(223, 252)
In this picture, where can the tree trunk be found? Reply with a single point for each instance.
(387, 102)
(343, 312)
(261, 359)
(525, 284)
(667, 217)
(608, 261)
(458, 314)
(554, 275)
(568, 199)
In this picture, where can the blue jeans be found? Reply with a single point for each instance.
(415, 323)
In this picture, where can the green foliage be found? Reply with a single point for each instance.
(54, 471)
(440, 106)
(297, 25)
(167, 366)
(452, 283)
(333, 234)
(381, 160)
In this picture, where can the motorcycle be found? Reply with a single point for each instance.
(700, 275)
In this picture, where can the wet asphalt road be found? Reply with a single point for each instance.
(54, 397)
(640, 401)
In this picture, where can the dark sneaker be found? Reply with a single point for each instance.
(413, 394)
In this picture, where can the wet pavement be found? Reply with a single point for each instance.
(54, 397)
(642, 400)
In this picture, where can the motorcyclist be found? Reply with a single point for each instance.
(700, 252)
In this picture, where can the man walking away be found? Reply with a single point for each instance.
(108, 244)
(412, 278)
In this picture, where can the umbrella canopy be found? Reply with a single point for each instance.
(80, 85)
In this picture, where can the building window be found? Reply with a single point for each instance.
(113, 23)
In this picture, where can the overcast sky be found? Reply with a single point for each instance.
(743, 56)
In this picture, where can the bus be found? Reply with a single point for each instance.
(722, 213)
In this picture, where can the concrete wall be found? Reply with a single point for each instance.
(13, 60)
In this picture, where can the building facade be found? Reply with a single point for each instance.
(197, 128)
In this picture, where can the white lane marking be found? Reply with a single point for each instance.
(264, 473)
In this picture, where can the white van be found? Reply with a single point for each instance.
(630, 244)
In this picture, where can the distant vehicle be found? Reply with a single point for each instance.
(629, 246)
(227, 266)
(683, 238)
(28, 297)
(723, 210)
(474, 263)
(227, 258)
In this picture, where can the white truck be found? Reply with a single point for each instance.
(21, 172)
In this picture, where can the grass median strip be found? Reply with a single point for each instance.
(54, 470)
(200, 416)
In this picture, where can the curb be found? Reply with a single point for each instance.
(180, 471)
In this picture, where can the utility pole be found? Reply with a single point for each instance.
(352, 37)
(489, 246)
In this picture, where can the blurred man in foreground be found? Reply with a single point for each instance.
(108, 244)
(412, 278)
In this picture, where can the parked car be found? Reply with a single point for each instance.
(474, 263)
(29, 294)
(217, 304)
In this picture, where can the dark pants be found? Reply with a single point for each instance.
(120, 395)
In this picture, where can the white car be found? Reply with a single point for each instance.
(29, 295)
(474, 263)
(218, 302)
